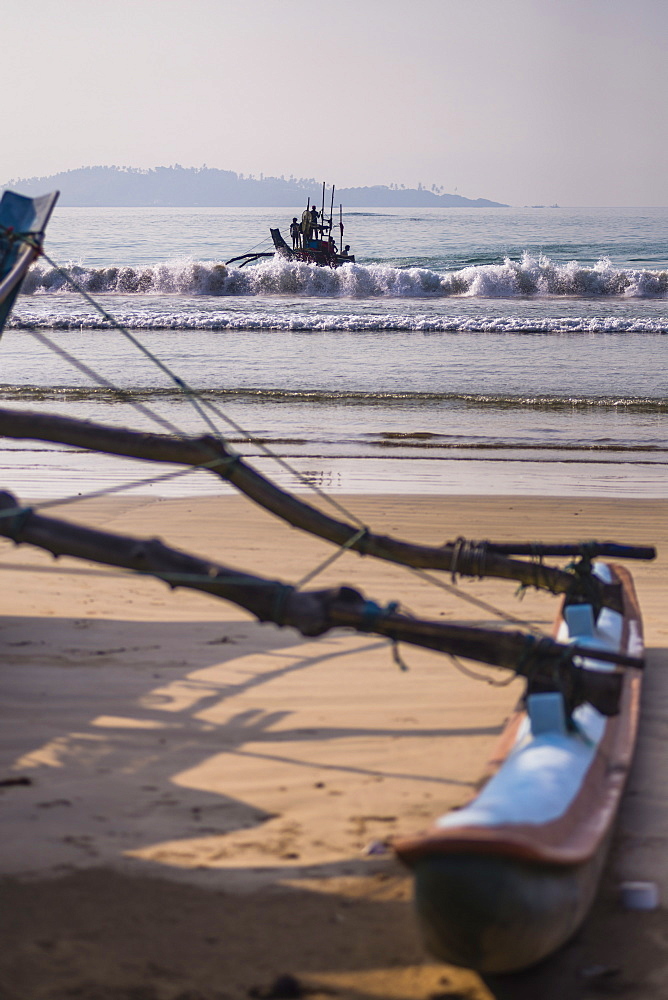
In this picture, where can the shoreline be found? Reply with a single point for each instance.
(197, 775)
(455, 478)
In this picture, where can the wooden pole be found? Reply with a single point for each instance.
(322, 217)
(211, 455)
(315, 612)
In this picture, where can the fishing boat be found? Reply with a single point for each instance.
(313, 242)
(22, 224)
(506, 880)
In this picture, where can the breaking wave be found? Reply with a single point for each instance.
(506, 401)
(220, 320)
(529, 277)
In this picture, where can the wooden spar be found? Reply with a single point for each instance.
(211, 454)
(590, 549)
(313, 613)
(322, 217)
(247, 258)
(341, 227)
(331, 212)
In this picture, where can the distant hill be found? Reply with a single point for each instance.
(178, 186)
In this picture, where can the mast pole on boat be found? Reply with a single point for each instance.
(341, 227)
(322, 217)
(331, 212)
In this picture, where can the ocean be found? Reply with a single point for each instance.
(497, 351)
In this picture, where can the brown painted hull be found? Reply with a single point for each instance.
(320, 258)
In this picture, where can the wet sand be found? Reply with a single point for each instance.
(196, 794)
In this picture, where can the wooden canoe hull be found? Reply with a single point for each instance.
(497, 914)
(506, 880)
(308, 256)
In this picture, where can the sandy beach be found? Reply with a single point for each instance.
(189, 798)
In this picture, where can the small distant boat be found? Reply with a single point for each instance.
(314, 242)
(22, 224)
(506, 880)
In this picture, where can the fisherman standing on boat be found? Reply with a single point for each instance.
(314, 223)
(295, 232)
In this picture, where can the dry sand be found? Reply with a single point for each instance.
(200, 790)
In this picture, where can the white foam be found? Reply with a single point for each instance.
(63, 316)
(530, 276)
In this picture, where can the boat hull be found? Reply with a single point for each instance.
(506, 880)
(317, 254)
(498, 915)
(20, 215)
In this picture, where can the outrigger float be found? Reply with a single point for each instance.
(504, 881)
(316, 243)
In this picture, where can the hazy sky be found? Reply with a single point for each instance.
(521, 101)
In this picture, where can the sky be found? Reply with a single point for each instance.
(520, 101)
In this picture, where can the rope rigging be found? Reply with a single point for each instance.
(469, 558)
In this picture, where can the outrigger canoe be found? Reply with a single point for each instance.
(22, 224)
(506, 880)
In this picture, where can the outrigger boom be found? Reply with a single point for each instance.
(248, 258)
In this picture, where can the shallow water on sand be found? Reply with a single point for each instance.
(467, 350)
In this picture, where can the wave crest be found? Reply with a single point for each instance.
(487, 400)
(530, 276)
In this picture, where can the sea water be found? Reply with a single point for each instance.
(502, 351)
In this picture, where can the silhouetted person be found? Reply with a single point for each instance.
(314, 223)
(295, 232)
